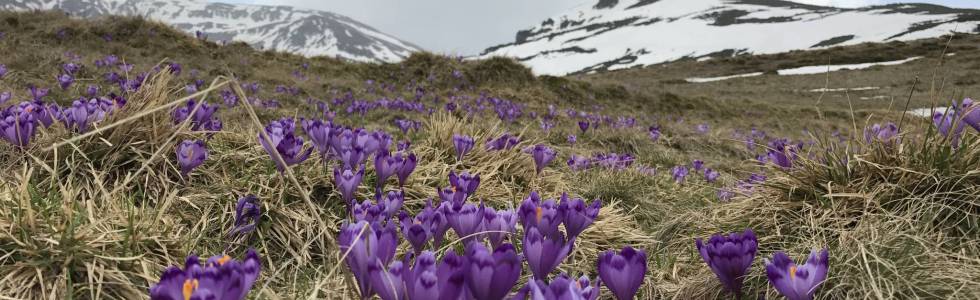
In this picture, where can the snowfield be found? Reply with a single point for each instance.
(637, 33)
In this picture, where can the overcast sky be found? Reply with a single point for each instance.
(468, 26)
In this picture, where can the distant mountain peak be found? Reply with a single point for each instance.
(611, 34)
(283, 28)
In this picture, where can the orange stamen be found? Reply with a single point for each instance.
(223, 260)
(189, 286)
(792, 272)
(538, 213)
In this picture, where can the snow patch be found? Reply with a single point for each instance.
(712, 79)
(808, 70)
(823, 90)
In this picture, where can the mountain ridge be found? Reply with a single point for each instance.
(283, 28)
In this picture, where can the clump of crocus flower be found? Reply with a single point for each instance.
(730, 257)
(883, 133)
(220, 277)
(711, 175)
(504, 142)
(202, 119)
(623, 272)
(797, 282)
(579, 163)
(17, 125)
(679, 173)
(190, 155)
(781, 153)
(284, 142)
(654, 133)
(463, 145)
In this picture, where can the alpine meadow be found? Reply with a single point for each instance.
(143, 158)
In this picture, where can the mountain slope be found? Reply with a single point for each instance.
(615, 34)
(283, 28)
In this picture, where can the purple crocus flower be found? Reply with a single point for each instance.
(466, 219)
(385, 166)
(368, 211)
(545, 253)
(884, 133)
(499, 225)
(579, 163)
(414, 231)
(3, 70)
(542, 156)
(464, 182)
(725, 195)
(797, 282)
(320, 134)
(284, 142)
(969, 110)
(392, 202)
(654, 133)
(490, 276)
(92, 90)
(504, 142)
(572, 139)
(347, 181)
(711, 175)
(387, 282)
(780, 153)
(560, 288)
(248, 211)
(71, 68)
(406, 169)
(452, 273)
(221, 277)
(730, 257)
(65, 80)
(17, 128)
(697, 165)
(463, 144)
(583, 125)
(366, 244)
(679, 174)
(588, 289)
(543, 215)
(203, 119)
(623, 272)
(38, 93)
(576, 216)
(190, 155)
(421, 281)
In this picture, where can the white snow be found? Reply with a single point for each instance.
(681, 30)
(822, 90)
(830, 68)
(711, 79)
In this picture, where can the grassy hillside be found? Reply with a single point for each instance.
(100, 214)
